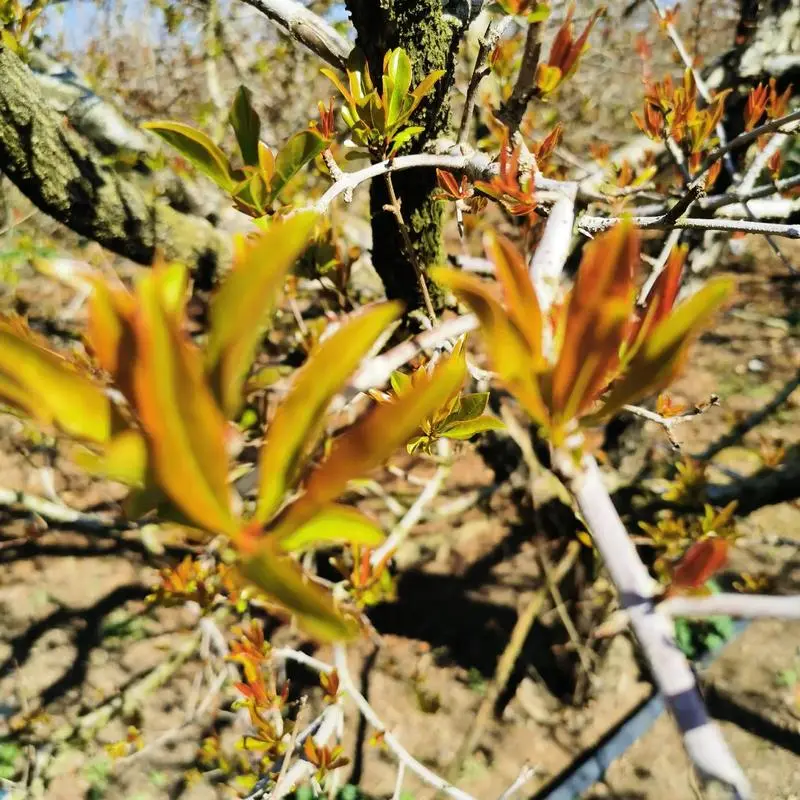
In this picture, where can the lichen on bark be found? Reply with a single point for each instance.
(65, 177)
(431, 39)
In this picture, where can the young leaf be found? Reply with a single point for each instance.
(301, 149)
(659, 356)
(700, 563)
(277, 575)
(508, 347)
(296, 421)
(197, 148)
(184, 428)
(124, 459)
(246, 125)
(337, 524)
(520, 296)
(471, 427)
(43, 384)
(369, 442)
(240, 309)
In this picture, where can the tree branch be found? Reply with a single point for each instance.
(65, 177)
(307, 28)
(750, 606)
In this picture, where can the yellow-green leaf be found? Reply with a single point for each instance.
(335, 524)
(296, 423)
(370, 441)
(240, 309)
(124, 459)
(469, 428)
(508, 347)
(197, 148)
(281, 578)
(44, 384)
(184, 427)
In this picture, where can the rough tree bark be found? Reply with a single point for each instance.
(64, 176)
(431, 39)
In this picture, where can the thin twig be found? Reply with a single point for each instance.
(668, 423)
(395, 208)
(592, 225)
(349, 688)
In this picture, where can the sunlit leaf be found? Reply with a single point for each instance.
(183, 425)
(281, 578)
(246, 125)
(520, 296)
(508, 348)
(660, 355)
(370, 441)
(471, 427)
(337, 524)
(469, 407)
(197, 148)
(296, 422)
(124, 459)
(301, 149)
(44, 384)
(240, 310)
(700, 563)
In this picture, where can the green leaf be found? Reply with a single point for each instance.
(335, 524)
(404, 136)
(296, 422)
(240, 309)
(400, 382)
(471, 427)
(279, 576)
(337, 82)
(302, 148)
(197, 148)
(246, 125)
(469, 407)
(399, 74)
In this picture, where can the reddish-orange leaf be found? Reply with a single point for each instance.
(185, 429)
(700, 563)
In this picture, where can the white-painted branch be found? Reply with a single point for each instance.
(746, 606)
(671, 671)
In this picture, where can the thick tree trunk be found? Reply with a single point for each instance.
(64, 176)
(430, 38)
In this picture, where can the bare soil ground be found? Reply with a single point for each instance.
(76, 634)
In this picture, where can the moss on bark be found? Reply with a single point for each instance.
(430, 39)
(64, 176)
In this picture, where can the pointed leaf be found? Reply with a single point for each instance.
(337, 524)
(520, 296)
(241, 307)
(469, 407)
(44, 384)
(301, 149)
(196, 147)
(700, 563)
(508, 348)
(295, 424)
(660, 355)
(184, 427)
(280, 577)
(472, 427)
(246, 125)
(368, 443)
(337, 82)
(266, 163)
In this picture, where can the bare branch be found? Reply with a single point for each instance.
(592, 224)
(749, 606)
(307, 28)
